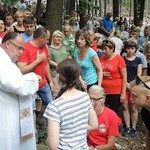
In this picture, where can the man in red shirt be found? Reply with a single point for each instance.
(35, 59)
(105, 136)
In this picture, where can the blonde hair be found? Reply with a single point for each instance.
(143, 78)
(18, 13)
(117, 33)
(141, 86)
(56, 32)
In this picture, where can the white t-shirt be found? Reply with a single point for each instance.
(118, 44)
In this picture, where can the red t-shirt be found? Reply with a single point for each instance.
(108, 123)
(2, 35)
(94, 46)
(29, 55)
(113, 83)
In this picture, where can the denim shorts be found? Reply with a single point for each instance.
(45, 94)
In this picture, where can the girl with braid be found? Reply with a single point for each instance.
(71, 114)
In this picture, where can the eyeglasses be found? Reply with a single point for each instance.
(18, 47)
(138, 80)
(96, 99)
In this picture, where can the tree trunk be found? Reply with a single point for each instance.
(95, 10)
(142, 9)
(70, 5)
(82, 12)
(54, 12)
(105, 7)
(67, 7)
(38, 11)
(100, 8)
(138, 10)
(115, 8)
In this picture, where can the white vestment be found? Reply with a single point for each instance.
(16, 91)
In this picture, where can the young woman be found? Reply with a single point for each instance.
(71, 114)
(87, 58)
(134, 68)
(18, 28)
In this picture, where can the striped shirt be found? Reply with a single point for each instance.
(72, 115)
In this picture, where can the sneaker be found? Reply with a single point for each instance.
(126, 132)
(133, 133)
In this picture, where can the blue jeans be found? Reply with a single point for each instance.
(45, 94)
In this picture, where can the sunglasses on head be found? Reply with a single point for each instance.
(138, 81)
(108, 42)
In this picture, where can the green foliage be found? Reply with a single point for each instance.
(71, 47)
(9, 3)
(42, 133)
(85, 5)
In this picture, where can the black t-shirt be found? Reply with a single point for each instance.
(146, 117)
(132, 66)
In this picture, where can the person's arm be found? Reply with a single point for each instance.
(108, 33)
(144, 64)
(53, 134)
(98, 66)
(91, 148)
(147, 140)
(139, 70)
(26, 68)
(53, 63)
(49, 77)
(123, 73)
(144, 71)
(83, 84)
(110, 144)
(92, 120)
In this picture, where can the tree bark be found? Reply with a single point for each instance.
(38, 11)
(115, 8)
(139, 6)
(82, 12)
(70, 5)
(54, 12)
(142, 9)
(100, 7)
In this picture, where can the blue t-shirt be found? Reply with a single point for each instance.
(26, 38)
(132, 66)
(107, 24)
(88, 70)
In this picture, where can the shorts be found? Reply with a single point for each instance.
(129, 97)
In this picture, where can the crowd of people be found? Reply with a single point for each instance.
(84, 86)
